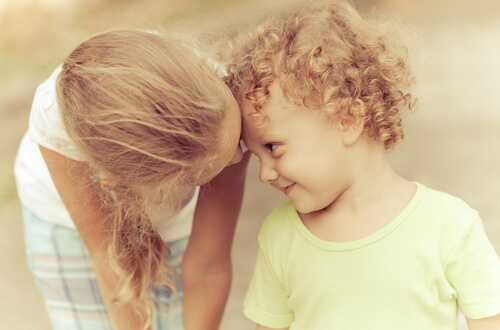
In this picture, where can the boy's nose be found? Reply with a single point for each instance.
(267, 173)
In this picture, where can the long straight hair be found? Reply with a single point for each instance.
(146, 111)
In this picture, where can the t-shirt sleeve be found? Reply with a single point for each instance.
(266, 299)
(45, 124)
(473, 269)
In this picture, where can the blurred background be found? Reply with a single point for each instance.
(452, 139)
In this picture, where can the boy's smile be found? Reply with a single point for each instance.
(301, 150)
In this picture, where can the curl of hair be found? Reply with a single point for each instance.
(146, 110)
(326, 56)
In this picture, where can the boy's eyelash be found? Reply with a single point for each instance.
(271, 146)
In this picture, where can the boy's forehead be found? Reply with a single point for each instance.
(265, 123)
(253, 126)
(274, 101)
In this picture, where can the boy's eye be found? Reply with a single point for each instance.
(271, 146)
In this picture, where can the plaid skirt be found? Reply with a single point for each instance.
(62, 268)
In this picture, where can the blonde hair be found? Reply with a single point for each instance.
(146, 110)
(327, 57)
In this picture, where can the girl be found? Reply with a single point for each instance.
(125, 158)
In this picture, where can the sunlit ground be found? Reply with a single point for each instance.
(451, 140)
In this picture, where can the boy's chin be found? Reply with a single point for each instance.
(303, 208)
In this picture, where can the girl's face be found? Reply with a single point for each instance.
(231, 152)
(301, 151)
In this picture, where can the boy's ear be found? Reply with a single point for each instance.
(353, 127)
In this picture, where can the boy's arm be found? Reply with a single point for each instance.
(488, 323)
(71, 180)
(206, 266)
(266, 299)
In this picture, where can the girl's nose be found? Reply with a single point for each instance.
(267, 173)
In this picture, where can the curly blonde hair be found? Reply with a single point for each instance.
(325, 56)
(146, 110)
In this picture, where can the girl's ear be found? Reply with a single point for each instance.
(353, 127)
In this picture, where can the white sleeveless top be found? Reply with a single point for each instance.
(35, 188)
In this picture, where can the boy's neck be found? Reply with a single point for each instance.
(375, 196)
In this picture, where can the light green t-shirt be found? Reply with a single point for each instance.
(412, 274)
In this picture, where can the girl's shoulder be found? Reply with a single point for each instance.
(46, 127)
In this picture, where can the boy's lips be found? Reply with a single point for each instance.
(288, 189)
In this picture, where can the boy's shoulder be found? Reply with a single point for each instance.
(448, 207)
(285, 210)
(279, 221)
(280, 216)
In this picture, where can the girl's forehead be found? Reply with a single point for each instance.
(231, 126)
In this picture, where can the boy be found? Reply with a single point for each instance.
(358, 247)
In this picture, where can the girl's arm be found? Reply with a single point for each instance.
(488, 323)
(206, 266)
(70, 178)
